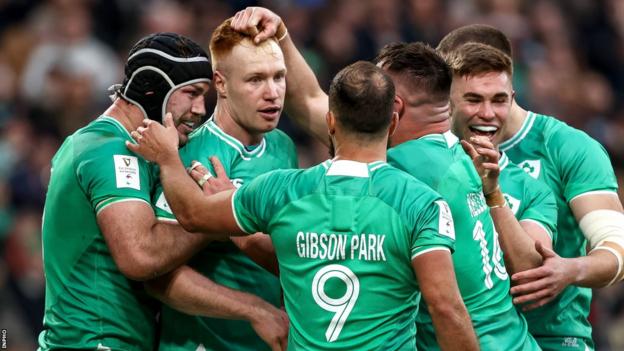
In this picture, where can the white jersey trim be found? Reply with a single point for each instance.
(595, 192)
(126, 199)
(166, 219)
(540, 225)
(238, 222)
(348, 168)
(437, 248)
(522, 133)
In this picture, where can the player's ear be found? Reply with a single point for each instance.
(399, 106)
(394, 123)
(219, 84)
(331, 122)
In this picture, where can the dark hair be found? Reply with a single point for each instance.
(475, 58)
(419, 64)
(361, 96)
(477, 33)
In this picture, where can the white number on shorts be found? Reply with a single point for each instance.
(341, 306)
(478, 234)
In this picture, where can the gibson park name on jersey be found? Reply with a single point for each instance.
(338, 247)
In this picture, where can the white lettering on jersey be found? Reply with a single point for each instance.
(127, 172)
(333, 247)
(532, 167)
(476, 203)
(445, 222)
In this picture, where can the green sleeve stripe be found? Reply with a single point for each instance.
(112, 200)
(167, 219)
(539, 224)
(238, 222)
(595, 192)
(435, 248)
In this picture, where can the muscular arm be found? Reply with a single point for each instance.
(517, 240)
(192, 293)
(259, 248)
(212, 215)
(599, 267)
(436, 278)
(141, 247)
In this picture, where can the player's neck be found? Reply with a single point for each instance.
(410, 129)
(360, 152)
(126, 113)
(517, 116)
(223, 119)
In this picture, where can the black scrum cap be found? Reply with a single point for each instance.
(159, 64)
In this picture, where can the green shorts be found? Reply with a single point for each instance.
(564, 343)
(506, 331)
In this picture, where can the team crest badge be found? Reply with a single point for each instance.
(512, 202)
(532, 167)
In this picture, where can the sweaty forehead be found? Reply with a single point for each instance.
(247, 52)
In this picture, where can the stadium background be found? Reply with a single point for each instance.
(58, 57)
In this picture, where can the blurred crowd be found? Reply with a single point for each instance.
(58, 57)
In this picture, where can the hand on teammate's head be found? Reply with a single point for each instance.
(155, 142)
(258, 22)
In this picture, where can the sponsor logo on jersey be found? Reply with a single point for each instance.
(570, 341)
(237, 182)
(445, 222)
(512, 202)
(163, 204)
(127, 172)
(476, 203)
(532, 167)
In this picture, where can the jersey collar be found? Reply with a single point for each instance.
(118, 125)
(524, 130)
(352, 168)
(503, 161)
(448, 138)
(245, 153)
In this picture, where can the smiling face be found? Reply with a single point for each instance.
(481, 104)
(186, 104)
(253, 82)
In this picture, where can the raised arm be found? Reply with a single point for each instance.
(436, 278)
(192, 293)
(306, 102)
(517, 240)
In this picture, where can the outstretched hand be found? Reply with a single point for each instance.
(260, 23)
(485, 157)
(155, 142)
(542, 284)
(210, 184)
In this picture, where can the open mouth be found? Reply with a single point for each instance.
(187, 126)
(270, 112)
(481, 130)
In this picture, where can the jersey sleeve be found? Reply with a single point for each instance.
(113, 174)
(433, 226)
(540, 206)
(253, 203)
(583, 163)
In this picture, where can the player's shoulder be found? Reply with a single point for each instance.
(101, 137)
(279, 138)
(558, 134)
(396, 183)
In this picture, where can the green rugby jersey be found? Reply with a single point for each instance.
(223, 262)
(440, 162)
(345, 234)
(571, 163)
(89, 303)
(528, 199)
